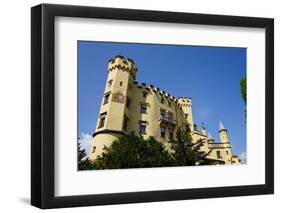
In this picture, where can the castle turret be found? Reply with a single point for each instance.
(113, 118)
(203, 130)
(223, 134)
(186, 106)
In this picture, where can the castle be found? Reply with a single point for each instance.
(145, 109)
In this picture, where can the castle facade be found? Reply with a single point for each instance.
(145, 109)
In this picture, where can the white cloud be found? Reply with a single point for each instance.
(243, 157)
(86, 141)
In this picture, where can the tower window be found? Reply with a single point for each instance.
(170, 116)
(162, 113)
(227, 152)
(162, 100)
(143, 108)
(185, 115)
(169, 103)
(121, 83)
(102, 119)
(109, 83)
(162, 132)
(142, 127)
(106, 99)
(219, 154)
(144, 94)
(195, 127)
(94, 149)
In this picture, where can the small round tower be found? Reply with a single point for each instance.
(224, 139)
(223, 134)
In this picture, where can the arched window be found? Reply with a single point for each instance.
(144, 94)
(142, 127)
(106, 99)
(109, 83)
(143, 108)
(94, 149)
(162, 131)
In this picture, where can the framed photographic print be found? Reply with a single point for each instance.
(139, 106)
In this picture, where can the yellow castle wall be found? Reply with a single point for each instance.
(122, 70)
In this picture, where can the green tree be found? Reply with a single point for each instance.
(83, 162)
(243, 89)
(132, 151)
(186, 153)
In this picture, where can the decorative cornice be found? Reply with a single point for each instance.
(108, 131)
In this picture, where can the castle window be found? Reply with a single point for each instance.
(109, 83)
(125, 123)
(162, 100)
(170, 116)
(162, 132)
(195, 127)
(121, 83)
(144, 94)
(94, 149)
(169, 103)
(102, 119)
(142, 127)
(106, 99)
(226, 152)
(185, 115)
(162, 113)
(219, 154)
(171, 134)
(143, 108)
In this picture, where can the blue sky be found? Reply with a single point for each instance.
(209, 75)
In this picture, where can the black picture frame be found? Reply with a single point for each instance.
(43, 105)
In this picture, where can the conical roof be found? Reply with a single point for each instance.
(221, 126)
(210, 136)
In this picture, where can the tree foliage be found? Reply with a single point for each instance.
(243, 89)
(186, 153)
(83, 162)
(132, 151)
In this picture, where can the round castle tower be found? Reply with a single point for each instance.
(225, 141)
(113, 116)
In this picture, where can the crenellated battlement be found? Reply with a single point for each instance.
(185, 101)
(120, 63)
(161, 92)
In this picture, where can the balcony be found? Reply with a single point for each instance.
(167, 121)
